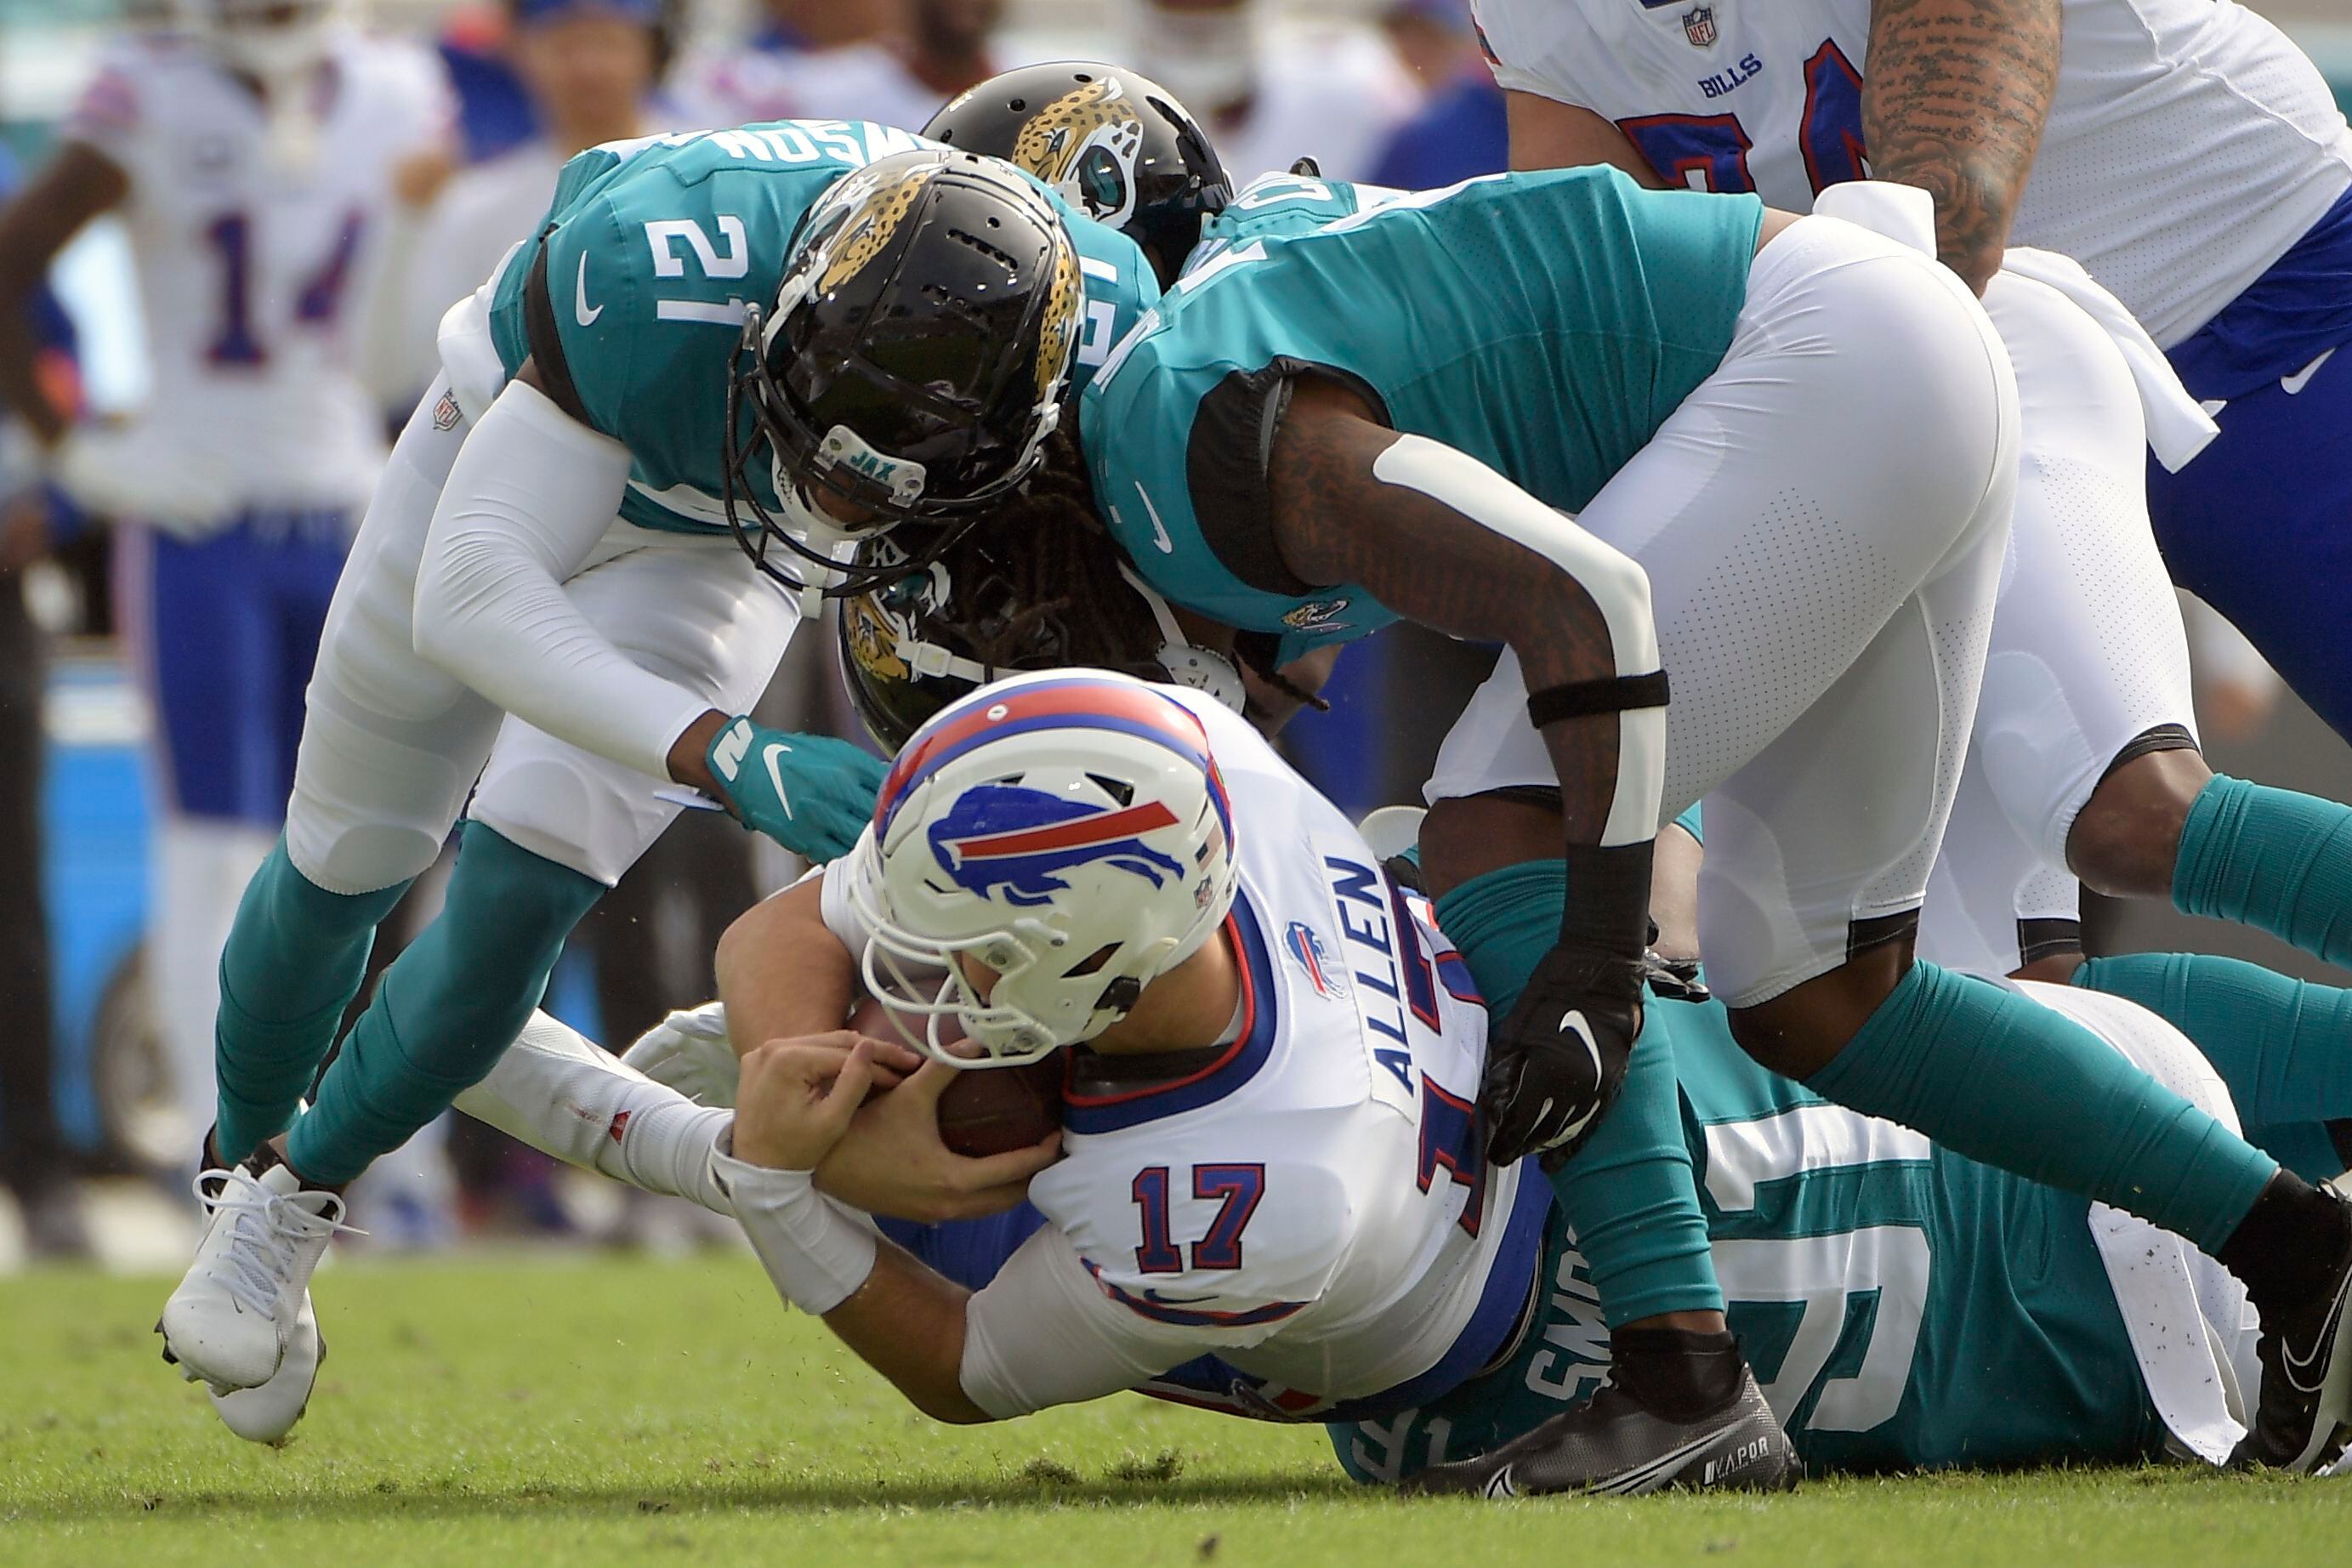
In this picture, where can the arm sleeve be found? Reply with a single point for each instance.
(835, 906)
(1041, 1333)
(531, 492)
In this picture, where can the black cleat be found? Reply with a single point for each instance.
(1614, 1446)
(2306, 1357)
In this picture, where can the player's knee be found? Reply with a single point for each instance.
(1800, 1031)
(2126, 840)
(356, 858)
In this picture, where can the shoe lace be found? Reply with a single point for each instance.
(265, 1231)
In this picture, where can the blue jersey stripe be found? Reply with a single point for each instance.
(1118, 1113)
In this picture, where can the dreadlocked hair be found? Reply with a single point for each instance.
(1039, 582)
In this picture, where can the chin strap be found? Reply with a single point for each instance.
(1188, 664)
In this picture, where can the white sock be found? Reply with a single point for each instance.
(562, 1096)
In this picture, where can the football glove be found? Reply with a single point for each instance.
(811, 794)
(688, 1051)
(1557, 1061)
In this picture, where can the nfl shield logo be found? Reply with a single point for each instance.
(1698, 26)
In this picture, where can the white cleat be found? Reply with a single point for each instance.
(234, 1319)
(268, 1414)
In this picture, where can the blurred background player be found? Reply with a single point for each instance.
(590, 69)
(1460, 129)
(252, 155)
(753, 71)
(1266, 100)
(33, 1163)
(896, 79)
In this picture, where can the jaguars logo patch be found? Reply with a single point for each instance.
(874, 636)
(1084, 145)
(881, 208)
(1057, 332)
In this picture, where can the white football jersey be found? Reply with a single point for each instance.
(2189, 144)
(1305, 1222)
(253, 275)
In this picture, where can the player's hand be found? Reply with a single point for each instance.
(689, 1051)
(794, 1098)
(135, 473)
(891, 1162)
(811, 794)
(1557, 1061)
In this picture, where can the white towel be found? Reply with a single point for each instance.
(2177, 427)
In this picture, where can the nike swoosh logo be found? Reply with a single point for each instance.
(2296, 1366)
(587, 317)
(2302, 378)
(1574, 1023)
(776, 775)
(1159, 529)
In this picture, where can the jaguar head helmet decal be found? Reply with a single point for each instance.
(1084, 145)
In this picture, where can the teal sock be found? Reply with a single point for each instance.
(1990, 1074)
(448, 1006)
(1628, 1194)
(2270, 859)
(2283, 1047)
(295, 959)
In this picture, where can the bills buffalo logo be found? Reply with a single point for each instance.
(1084, 145)
(882, 203)
(1698, 26)
(1003, 840)
(1307, 950)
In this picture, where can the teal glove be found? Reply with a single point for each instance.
(811, 794)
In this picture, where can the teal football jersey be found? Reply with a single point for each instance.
(1903, 1307)
(653, 248)
(1545, 323)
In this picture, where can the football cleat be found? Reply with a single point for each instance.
(1614, 1446)
(233, 1320)
(268, 1414)
(2306, 1357)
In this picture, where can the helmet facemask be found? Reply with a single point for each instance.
(1075, 861)
(929, 413)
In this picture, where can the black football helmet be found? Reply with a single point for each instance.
(912, 644)
(1115, 144)
(911, 367)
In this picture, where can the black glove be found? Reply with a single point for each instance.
(1557, 1061)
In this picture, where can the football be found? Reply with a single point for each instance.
(988, 1111)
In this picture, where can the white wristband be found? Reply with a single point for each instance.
(815, 1252)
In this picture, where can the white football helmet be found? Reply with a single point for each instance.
(1069, 831)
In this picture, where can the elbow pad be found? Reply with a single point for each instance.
(1617, 587)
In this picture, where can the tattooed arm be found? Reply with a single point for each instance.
(1435, 535)
(1955, 98)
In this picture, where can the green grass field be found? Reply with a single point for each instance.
(585, 1410)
